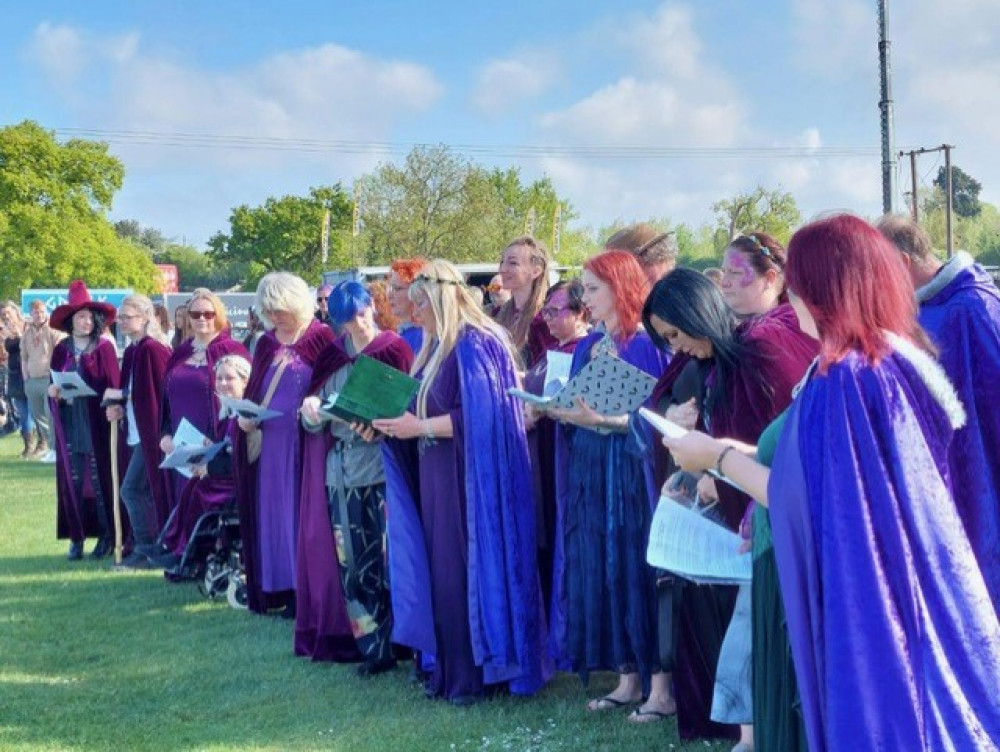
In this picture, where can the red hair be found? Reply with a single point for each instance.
(622, 273)
(407, 269)
(854, 284)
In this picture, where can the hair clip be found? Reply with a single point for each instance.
(764, 250)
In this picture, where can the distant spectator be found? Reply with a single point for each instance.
(37, 344)
(13, 322)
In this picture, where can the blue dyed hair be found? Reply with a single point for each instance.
(346, 300)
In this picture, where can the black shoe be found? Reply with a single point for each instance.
(75, 551)
(134, 560)
(373, 668)
(103, 548)
(165, 561)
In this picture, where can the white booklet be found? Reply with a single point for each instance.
(557, 370)
(608, 384)
(71, 384)
(673, 431)
(696, 548)
(191, 448)
(244, 408)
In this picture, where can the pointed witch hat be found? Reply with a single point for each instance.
(78, 299)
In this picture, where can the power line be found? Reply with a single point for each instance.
(514, 151)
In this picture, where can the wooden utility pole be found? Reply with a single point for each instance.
(946, 148)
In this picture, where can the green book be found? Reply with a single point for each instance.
(373, 390)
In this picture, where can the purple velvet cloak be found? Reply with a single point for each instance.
(779, 354)
(960, 309)
(505, 612)
(145, 364)
(309, 347)
(222, 345)
(895, 641)
(322, 626)
(77, 518)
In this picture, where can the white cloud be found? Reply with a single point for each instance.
(835, 39)
(64, 52)
(504, 85)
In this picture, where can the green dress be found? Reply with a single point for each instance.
(778, 725)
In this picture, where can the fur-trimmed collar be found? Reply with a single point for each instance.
(933, 376)
(954, 266)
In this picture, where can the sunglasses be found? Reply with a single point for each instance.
(321, 299)
(207, 315)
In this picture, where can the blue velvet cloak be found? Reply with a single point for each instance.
(504, 603)
(603, 613)
(960, 309)
(895, 641)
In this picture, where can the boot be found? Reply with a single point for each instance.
(28, 437)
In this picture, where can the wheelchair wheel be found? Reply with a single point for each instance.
(215, 579)
(236, 593)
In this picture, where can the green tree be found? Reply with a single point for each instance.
(772, 211)
(439, 205)
(964, 190)
(285, 234)
(53, 228)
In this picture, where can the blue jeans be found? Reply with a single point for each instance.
(25, 422)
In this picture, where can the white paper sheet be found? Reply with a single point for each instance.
(691, 546)
(71, 384)
(243, 408)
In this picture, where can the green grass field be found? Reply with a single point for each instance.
(92, 659)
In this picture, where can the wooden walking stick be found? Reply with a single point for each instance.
(116, 491)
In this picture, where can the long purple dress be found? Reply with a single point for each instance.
(268, 490)
(278, 476)
(475, 562)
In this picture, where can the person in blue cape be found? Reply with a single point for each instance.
(604, 609)
(460, 504)
(960, 310)
(894, 638)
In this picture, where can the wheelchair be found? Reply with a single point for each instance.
(212, 558)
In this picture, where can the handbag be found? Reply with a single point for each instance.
(255, 440)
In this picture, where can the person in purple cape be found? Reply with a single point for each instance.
(144, 486)
(461, 512)
(748, 369)
(269, 466)
(895, 640)
(189, 386)
(213, 486)
(81, 430)
(960, 310)
(355, 495)
(567, 318)
(524, 271)
(604, 611)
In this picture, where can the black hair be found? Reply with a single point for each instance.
(100, 324)
(689, 301)
(574, 294)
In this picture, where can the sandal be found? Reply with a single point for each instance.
(647, 716)
(608, 703)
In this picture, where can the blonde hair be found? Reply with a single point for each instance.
(144, 307)
(518, 323)
(283, 291)
(203, 293)
(454, 308)
(237, 362)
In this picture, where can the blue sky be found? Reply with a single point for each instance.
(725, 74)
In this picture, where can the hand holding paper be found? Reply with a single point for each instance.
(71, 385)
(244, 408)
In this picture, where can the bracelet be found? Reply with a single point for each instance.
(718, 462)
(428, 433)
